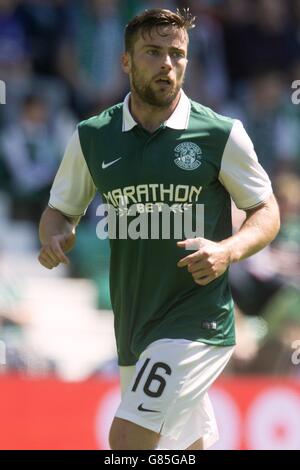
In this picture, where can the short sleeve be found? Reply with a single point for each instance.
(73, 187)
(241, 173)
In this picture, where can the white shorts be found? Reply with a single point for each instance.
(166, 391)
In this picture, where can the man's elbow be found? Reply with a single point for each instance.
(275, 222)
(268, 218)
(276, 227)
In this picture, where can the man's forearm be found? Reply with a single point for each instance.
(258, 230)
(54, 223)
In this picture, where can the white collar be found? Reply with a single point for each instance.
(179, 119)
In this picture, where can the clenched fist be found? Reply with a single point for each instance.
(53, 253)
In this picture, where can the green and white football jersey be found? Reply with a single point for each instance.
(195, 157)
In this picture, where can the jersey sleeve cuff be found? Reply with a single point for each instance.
(255, 201)
(64, 209)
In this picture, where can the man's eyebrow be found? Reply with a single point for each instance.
(154, 46)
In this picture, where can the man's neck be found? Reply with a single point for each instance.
(150, 117)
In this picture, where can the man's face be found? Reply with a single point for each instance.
(157, 64)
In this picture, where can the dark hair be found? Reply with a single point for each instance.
(150, 19)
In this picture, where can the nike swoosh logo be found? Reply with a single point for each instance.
(141, 408)
(106, 165)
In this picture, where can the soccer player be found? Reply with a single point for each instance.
(173, 309)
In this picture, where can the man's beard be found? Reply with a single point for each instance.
(147, 94)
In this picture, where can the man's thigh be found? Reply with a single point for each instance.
(125, 435)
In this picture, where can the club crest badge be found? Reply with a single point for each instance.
(188, 156)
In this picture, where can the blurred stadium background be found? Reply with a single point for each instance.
(59, 60)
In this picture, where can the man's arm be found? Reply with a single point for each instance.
(57, 236)
(72, 191)
(260, 227)
(213, 258)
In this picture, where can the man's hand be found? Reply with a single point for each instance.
(53, 253)
(57, 236)
(209, 261)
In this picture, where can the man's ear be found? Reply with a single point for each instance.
(126, 62)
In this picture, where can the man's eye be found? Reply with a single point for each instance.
(177, 55)
(152, 52)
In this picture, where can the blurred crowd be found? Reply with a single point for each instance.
(59, 60)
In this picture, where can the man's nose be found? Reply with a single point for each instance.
(167, 62)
